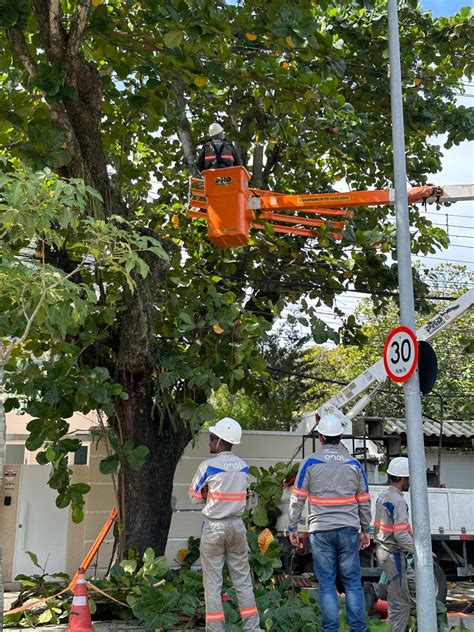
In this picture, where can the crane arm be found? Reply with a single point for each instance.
(376, 375)
(230, 207)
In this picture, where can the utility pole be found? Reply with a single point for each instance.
(425, 587)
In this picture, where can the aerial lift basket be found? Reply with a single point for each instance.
(231, 208)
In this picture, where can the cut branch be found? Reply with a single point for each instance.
(77, 27)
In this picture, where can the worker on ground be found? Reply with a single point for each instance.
(221, 482)
(393, 536)
(335, 486)
(218, 152)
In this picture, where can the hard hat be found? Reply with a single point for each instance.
(215, 129)
(399, 467)
(330, 426)
(228, 430)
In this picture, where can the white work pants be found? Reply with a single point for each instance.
(222, 541)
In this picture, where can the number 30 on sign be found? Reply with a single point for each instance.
(400, 354)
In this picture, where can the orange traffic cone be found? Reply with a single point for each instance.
(80, 617)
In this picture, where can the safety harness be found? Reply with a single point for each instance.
(218, 157)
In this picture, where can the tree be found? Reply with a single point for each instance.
(453, 347)
(118, 93)
(41, 306)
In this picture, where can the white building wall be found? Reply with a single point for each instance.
(457, 467)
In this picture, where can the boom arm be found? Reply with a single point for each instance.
(376, 374)
(231, 208)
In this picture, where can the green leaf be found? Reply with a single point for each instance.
(77, 515)
(34, 558)
(260, 516)
(45, 617)
(62, 501)
(173, 39)
(81, 488)
(109, 465)
(129, 566)
(137, 457)
(186, 318)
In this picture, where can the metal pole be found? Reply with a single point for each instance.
(425, 587)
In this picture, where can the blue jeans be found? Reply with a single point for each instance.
(333, 551)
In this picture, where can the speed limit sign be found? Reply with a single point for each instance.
(400, 354)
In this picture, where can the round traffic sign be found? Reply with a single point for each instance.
(400, 354)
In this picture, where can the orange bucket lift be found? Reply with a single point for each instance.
(231, 208)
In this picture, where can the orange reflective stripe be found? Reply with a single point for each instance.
(361, 498)
(326, 501)
(214, 616)
(194, 493)
(229, 497)
(296, 491)
(248, 612)
(386, 528)
(402, 526)
(383, 527)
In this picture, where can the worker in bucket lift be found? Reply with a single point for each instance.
(218, 152)
(336, 488)
(221, 482)
(393, 536)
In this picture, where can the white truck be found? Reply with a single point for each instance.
(451, 510)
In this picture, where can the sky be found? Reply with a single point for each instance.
(445, 7)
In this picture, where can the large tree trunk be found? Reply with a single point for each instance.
(145, 494)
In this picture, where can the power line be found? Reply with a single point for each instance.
(445, 260)
(445, 214)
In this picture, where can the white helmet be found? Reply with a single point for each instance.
(228, 430)
(215, 129)
(399, 467)
(330, 426)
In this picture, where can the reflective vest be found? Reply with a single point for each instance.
(218, 154)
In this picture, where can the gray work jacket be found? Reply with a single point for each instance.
(226, 476)
(392, 530)
(336, 488)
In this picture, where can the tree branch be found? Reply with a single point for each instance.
(184, 131)
(20, 48)
(271, 163)
(55, 39)
(257, 168)
(6, 350)
(77, 27)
